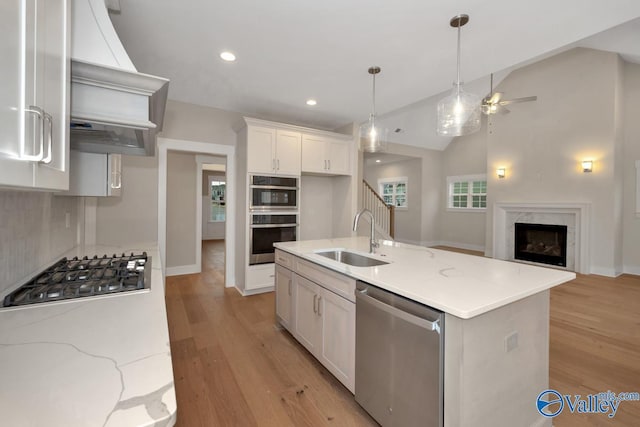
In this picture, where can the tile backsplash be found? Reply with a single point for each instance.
(33, 232)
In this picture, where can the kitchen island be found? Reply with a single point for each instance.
(94, 361)
(496, 321)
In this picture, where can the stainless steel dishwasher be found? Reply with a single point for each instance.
(399, 359)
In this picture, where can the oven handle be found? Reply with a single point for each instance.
(272, 187)
(272, 225)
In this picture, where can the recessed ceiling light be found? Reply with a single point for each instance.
(311, 102)
(228, 56)
(378, 160)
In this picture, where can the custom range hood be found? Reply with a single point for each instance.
(114, 109)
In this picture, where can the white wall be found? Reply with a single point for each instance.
(541, 143)
(33, 233)
(631, 221)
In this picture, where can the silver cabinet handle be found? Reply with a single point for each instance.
(49, 120)
(40, 114)
(116, 174)
(315, 297)
(278, 163)
(418, 321)
(319, 313)
(329, 161)
(273, 164)
(325, 165)
(289, 286)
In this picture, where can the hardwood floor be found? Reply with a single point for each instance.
(234, 367)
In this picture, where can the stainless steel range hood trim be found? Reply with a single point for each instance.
(120, 99)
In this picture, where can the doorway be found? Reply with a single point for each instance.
(203, 154)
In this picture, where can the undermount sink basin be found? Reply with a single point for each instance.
(351, 258)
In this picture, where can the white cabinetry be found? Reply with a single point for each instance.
(325, 155)
(322, 313)
(273, 151)
(34, 126)
(95, 174)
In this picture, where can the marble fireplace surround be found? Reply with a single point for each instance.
(574, 215)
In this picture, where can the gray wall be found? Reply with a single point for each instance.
(33, 233)
(631, 220)
(408, 222)
(181, 209)
(542, 143)
(464, 156)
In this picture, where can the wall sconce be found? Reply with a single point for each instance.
(501, 172)
(587, 166)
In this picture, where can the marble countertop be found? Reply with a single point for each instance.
(96, 361)
(462, 285)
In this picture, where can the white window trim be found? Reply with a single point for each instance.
(638, 188)
(394, 180)
(460, 178)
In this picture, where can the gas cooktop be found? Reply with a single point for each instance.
(77, 278)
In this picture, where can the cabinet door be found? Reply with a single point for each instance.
(338, 336)
(53, 83)
(284, 295)
(339, 157)
(261, 150)
(307, 323)
(288, 152)
(14, 21)
(313, 154)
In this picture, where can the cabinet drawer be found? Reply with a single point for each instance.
(284, 259)
(335, 282)
(260, 276)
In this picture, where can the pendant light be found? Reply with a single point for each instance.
(458, 113)
(373, 137)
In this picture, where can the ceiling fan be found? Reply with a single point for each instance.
(494, 103)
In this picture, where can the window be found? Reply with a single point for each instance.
(394, 191)
(217, 189)
(467, 192)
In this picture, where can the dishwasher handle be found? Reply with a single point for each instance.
(362, 296)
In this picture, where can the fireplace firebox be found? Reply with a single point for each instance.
(542, 243)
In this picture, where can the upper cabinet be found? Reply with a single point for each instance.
(323, 154)
(273, 151)
(34, 95)
(95, 174)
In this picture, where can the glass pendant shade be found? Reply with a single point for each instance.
(373, 137)
(459, 113)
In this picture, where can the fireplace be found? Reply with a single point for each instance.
(542, 243)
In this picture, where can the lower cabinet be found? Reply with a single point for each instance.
(320, 319)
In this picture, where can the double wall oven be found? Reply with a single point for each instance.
(273, 211)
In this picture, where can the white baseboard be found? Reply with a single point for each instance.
(249, 292)
(631, 269)
(604, 271)
(182, 269)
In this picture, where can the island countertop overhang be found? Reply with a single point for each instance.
(462, 285)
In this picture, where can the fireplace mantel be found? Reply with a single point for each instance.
(576, 215)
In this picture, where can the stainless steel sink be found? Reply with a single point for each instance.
(351, 258)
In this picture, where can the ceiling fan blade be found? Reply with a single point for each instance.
(495, 98)
(517, 100)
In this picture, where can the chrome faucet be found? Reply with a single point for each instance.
(372, 239)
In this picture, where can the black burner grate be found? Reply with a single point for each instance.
(84, 277)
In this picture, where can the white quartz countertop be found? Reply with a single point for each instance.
(95, 361)
(462, 285)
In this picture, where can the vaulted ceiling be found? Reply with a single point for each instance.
(291, 50)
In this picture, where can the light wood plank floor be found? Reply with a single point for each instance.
(233, 367)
